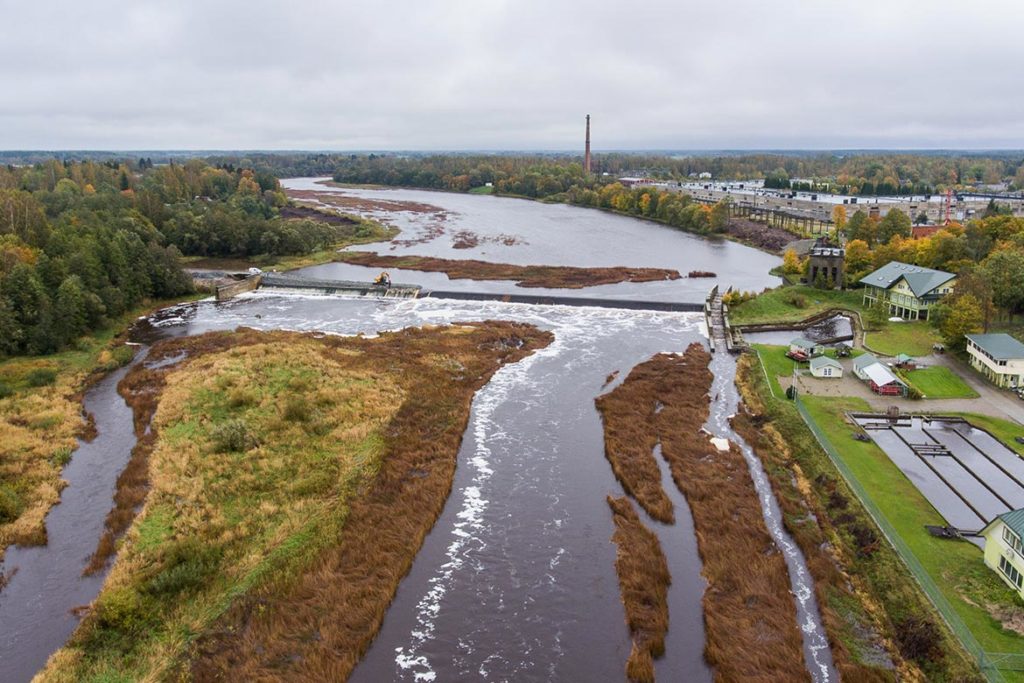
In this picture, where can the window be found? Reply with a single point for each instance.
(1010, 572)
(1013, 540)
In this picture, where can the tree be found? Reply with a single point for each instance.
(69, 311)
(921, 219)
(718, 218)
(877, 316)
(963, 317)
(858, 258)
(1003, 270)
(791, 263)
(839, 217)
(894, 223)
(860, 227)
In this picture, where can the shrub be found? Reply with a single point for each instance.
(61, 456)
(232, 436)
(242, 397)
(6, 390)
(796, 300)
(296, 410)
(919, 639)
(10, 504)
(41, 377)
(188, 564)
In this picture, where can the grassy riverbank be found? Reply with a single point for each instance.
(837, 535)
(292, 481)
(41, 420)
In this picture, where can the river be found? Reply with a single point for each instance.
(516, 581)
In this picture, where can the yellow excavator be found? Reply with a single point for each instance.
(383, 279)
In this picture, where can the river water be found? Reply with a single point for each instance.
(545, 234)
(516, 581)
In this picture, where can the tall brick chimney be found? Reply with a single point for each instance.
(586, 154)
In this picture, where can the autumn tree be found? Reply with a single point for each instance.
(839, 217)
(964, 316)
(791, 262)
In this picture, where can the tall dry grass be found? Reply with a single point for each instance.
(276, 560)
(555, 277)
(749, 613)
(643, 582)
(629, 414)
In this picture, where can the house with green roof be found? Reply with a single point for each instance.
(1004, 550)
(999, 357)
(908, 291)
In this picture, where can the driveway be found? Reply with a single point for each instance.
(991, 401)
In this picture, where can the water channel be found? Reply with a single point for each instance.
(516, 581)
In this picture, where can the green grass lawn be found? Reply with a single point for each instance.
(777, 305)
(775, 364)
(911, 338)
(939, 382)
(956, 566)
(483, 189)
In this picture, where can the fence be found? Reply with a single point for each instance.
(990, 663)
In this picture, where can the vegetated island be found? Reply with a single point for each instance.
(291, 481)
(749, 614)
(553, 277)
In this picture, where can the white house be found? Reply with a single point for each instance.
(999, 357)
(861, 362)
(823, 366)
(1004, 552)
(805, 348)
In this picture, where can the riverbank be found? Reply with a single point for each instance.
(41, 421)
(292, 481)
(879, 623)
(552, 277)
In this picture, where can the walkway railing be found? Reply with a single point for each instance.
(990, 663)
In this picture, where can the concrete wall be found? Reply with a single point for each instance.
(235, 288)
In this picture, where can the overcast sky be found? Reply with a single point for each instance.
(511, 74)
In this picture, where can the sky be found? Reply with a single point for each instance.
(511, 75)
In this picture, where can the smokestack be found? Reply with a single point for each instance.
(586, 154)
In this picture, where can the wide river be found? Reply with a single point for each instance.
(516, 581)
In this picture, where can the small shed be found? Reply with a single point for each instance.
(804, 349)
(823, 366)
(883, 382)
(905, 362)
(861, 362)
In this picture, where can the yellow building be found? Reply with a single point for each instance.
(999, 357)
(1004, 551)
(908, 291)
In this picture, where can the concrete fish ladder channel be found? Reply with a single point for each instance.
(724, 404)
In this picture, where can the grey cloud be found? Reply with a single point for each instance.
(510, 75)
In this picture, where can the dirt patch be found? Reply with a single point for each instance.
(643, 581)
(308, 212)
(750, 617)
(553, 277)
(759, 235)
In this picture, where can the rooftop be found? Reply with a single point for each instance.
(998, 345)
(881, 375)
(1015, 520)
(863, 361)
(921, 280)
(804, 343)
(823, 362)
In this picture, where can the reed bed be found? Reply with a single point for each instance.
(749, 613)
(643, 581)
(553, 277)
